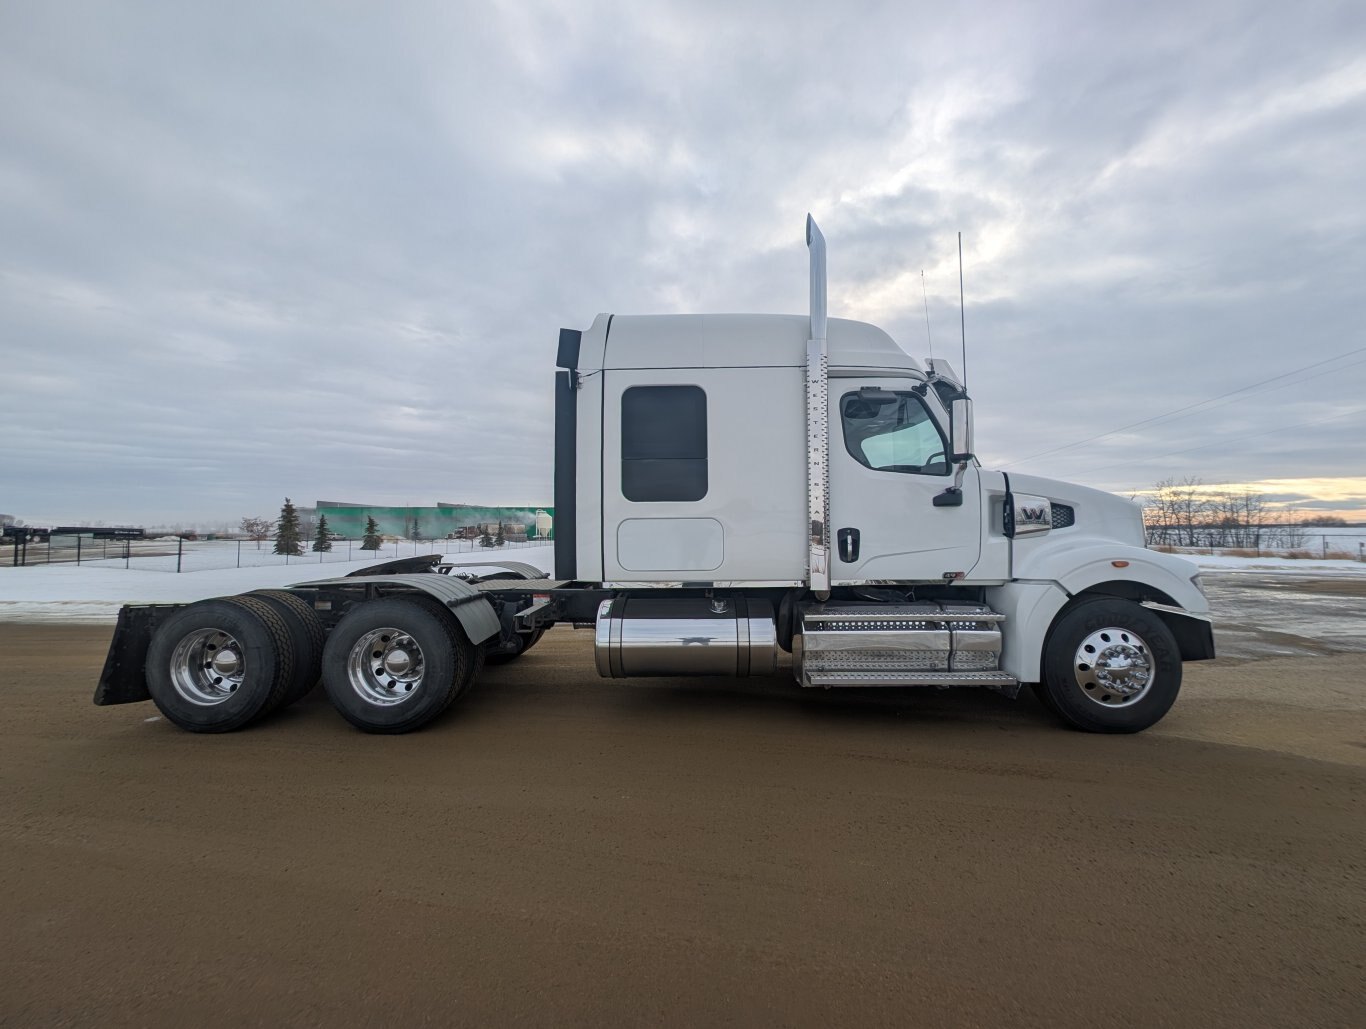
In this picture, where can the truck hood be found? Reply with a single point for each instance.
(1097, 513)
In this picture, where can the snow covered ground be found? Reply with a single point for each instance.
(62, 592)
(95, 592)
(1304, 566)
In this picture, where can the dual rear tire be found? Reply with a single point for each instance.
(390, 665)
(218, 665)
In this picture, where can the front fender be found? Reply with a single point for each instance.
(1161, 578)
(1152, 576)
(1052, 577)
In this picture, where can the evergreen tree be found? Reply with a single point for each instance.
(501, 538)
(321, 544)
(486, 540)
(371, 540)
(287, 531)
(417, 529)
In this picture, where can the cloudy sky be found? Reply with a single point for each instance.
(323, 249)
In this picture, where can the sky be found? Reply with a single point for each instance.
(323, 250)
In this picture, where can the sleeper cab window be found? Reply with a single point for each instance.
(663, 443)
(893, 432)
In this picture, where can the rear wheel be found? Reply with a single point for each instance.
(306, 637)
(392, 665)
(1112, 666)
(217, 665)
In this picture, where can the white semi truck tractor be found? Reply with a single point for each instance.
(729, 487)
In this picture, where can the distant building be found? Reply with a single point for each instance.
(444, 521)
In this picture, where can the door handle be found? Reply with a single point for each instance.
(848, 545)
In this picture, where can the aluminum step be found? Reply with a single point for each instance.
(870, 677)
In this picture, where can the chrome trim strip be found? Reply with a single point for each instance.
(817, 422)
(817, 467)
(875, 678)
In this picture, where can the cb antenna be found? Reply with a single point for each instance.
(928, 339)
(962, 319)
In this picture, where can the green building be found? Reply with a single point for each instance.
(444, 521)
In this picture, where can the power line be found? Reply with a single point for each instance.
(1199, 403)
(1240, 438)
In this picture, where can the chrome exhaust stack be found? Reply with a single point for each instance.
(642, 636)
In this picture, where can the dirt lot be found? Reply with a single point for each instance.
(565, 849)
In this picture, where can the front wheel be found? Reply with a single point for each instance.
(1110, 665)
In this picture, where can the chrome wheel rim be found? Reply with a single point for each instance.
(207, 667)
(1114, 667)
(385, 667)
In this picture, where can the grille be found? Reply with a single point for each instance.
(1063, 516)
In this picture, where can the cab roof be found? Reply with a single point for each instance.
(734, 341)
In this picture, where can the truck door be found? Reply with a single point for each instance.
(888, 462)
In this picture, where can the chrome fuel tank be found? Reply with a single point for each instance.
(643, 636)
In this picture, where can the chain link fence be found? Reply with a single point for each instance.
(1278, 542)
(172, 554)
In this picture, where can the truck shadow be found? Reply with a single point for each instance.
(549, 684)
(530, 681)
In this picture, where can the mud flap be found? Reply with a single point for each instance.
(1194, 633)
(124, 679)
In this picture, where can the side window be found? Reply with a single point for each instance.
(893, 432)
(663, 443)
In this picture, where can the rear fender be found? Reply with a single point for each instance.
(471, 608)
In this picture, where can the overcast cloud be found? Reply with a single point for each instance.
(323, 250)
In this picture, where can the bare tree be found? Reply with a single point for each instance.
(1174, 514)
(1237, 518)
(257, 529)
(1192, 509)
(1289, 529)
(1189, 514)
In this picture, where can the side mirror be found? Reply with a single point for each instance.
(960, 419)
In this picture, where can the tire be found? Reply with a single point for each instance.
(394, 664)
(527, 641)
(306, 636)
(217, 665)
(1110, 666)
(785, 624)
